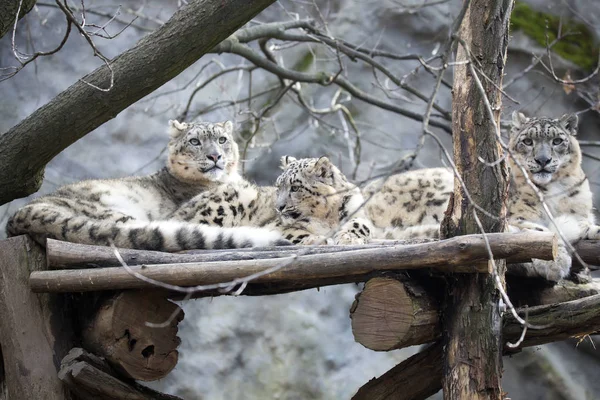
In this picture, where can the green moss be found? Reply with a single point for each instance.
(304, 63)
(580, 48)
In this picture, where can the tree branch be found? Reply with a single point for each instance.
(9, 11)
(190, 33)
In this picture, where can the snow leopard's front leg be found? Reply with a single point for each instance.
(302, 236)
(552, 270)
(356, 231)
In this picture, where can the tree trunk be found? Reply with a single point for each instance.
(472, 325)
(190, 33)
(9, 11)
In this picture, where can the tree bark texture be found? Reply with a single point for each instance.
(9, 12)
(473, 362)
(190, 33)
(35, 330)
(570, 319)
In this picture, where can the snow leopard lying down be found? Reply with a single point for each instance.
(133, 211)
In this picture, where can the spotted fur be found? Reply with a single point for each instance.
(132, 211)
(244, 204)
(403, 206)
(549, 154)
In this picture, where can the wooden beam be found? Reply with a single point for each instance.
(449, 255)
(33, 328)
(65, 255)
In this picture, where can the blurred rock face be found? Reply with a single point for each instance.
(295, 346)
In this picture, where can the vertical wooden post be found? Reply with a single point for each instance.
(472, 324)
(35, 330)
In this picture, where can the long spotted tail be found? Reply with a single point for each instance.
(156, 235)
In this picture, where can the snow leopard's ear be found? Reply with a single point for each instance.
(518, 120)
(569, 123)
(176, 128)
(323, 168)
(285, 160)
(227, 126)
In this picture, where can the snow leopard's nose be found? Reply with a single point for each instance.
(542, 161)
(280, 207)
(214, 157)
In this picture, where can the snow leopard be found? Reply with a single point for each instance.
(546, 153)
(132, 212)
(403, 206)
(241, 203)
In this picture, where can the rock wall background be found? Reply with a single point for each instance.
(295, 346)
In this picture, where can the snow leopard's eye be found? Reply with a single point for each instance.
(527, 142)
(222, 139)
(294, 188)
(557, 141)
(194, 142)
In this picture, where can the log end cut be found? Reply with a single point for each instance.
(120, 333)
(390, 314)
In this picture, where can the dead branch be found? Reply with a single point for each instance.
(237, 44)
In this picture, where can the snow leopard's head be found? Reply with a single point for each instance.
(312, 188)
(545, 147)
(203, 152)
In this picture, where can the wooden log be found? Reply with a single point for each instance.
(118, 332)
(390, 314)
(90, 377)
(403, 381)
(570, 319)
(449, 255)
(589, 251)
(34, 329)
(65, 255)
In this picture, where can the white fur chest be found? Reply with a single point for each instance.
(554, 196)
